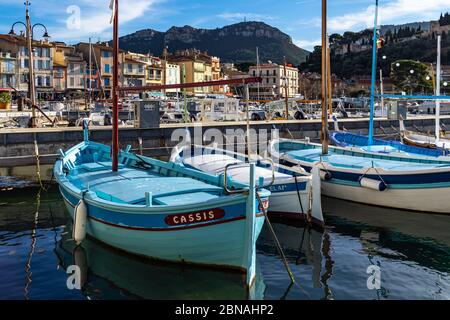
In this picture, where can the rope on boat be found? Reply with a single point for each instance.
(376, 171)
(38, 167)
(323, 167)
(275, 239)
(38, 163)
(307, 216)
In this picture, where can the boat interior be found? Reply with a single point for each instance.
(352, 159)
(140, 180)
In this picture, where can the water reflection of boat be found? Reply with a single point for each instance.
(302, 245)
(393, 234)
(110, 274)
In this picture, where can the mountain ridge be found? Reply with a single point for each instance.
(233, 43)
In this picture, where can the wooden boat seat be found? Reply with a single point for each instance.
(181, 199)
(99, 166)
(133, 190)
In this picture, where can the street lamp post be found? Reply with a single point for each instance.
(29, 36)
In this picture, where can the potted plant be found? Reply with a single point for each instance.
(5, 100)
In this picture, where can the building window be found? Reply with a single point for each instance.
(72, 81)
(107, 68)
(130, 67)
(274, 73)
(267, 72)
(107, 82)
(81, 82)
(71, 68)
(105, 54)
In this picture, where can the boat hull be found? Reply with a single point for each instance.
(418, 189)
(219, 244)
(287, 204)
(422, 199)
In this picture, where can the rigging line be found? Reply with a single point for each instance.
(298, 195)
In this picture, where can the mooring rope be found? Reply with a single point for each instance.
(275, 239)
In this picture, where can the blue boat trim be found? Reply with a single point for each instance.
(347, 139)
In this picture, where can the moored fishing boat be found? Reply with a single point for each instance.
(294, 192)
(159, 210)
(396, 181)
(361, 142)
(425, 141)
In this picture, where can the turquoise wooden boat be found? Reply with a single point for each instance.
(161, 210)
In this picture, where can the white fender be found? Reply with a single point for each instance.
(79, 222)
(336, 124)
(324, 175)
(316, 207)
(376, 185)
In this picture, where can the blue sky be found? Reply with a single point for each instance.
(298, 18)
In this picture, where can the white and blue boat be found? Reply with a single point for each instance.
(395, 181)
(295, 193)
(160, 210)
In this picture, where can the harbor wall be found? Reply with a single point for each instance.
(18, 156)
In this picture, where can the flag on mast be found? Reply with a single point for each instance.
(112, 6)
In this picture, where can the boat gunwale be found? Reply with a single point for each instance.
(304, 175)
(93, 199)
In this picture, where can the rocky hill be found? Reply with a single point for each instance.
(233, 43)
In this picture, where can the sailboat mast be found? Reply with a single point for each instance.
(438, 90)
(324, 133)
(374, 75)
(330, 92)
(286, 90)
(90, 72)
(115, 91)
(257, 69)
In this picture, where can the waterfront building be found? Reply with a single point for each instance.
(133, 71)
(273, 81)
(75, 67)
(196, 66)
(8, 71)
(59, 71)
(16, 46)
(173, 75)
(102, 58)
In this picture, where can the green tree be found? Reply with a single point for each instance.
(411, 76)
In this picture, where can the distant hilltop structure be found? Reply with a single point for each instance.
(354, 42)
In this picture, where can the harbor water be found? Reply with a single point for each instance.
(407, 252)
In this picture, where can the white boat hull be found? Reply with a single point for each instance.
(424, 200)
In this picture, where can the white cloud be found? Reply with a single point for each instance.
(395, 12)
(96, 16)
(308, 44)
